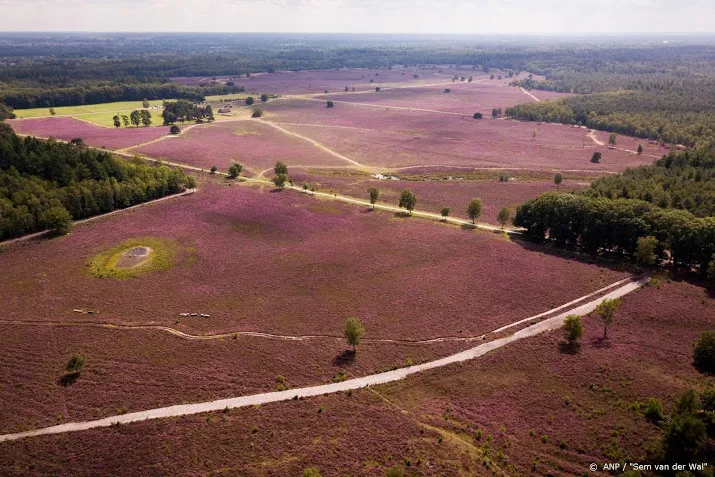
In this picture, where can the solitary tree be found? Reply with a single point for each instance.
(174, 129)
(280, 168)
(374, 194)
(125, 120)
(645, 250)
(612, 140)
(117, 121)
(596, 158)
(75, 364)
(347, 88)
(533, 135)
(408, 200)
(503, 216)
(704, 352)
(214, 169)
(558, 179)
(280, 180)
(235, 170)
(264, 98)
(474, 209)
(249, 100)
(353, 332)
(377, 89)
(256, 113)
(640, 149)
(445, 212)
(145, 103)
(52, 111)
(477, 116)
(329, 104)
(496, 112)
(605, 310)
(573, 329)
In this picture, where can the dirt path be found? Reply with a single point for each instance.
(402, 108)
(549, 324)
(592, 135)
(529, 94)
(314, 143)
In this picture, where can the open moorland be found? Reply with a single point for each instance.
(239, 287)
(524, 408)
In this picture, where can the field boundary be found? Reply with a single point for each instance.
(549, 324)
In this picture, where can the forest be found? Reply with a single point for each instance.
(614, 213)
(44, 185)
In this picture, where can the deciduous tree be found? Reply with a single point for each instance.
(354, 332)
(605, 310)
(374, 194)
(408, 200)
(503, 216)
(474, 209)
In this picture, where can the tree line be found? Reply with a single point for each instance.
(183, 110)
(21, 96)
(44, 185)
(598, 225)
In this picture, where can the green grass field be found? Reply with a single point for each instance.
(101, 114)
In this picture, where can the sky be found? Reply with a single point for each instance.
(362, 16)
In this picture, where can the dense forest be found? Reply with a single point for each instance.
(680, 181)
(614, 213)
(46, 184)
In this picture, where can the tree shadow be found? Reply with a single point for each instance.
(68, 379)
(468, 226)
(345, 358)
(569, 348)
(368, 210)
(276, 190)
(403, 215)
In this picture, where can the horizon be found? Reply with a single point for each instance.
(392, 17)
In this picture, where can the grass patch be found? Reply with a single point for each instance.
(161, 257)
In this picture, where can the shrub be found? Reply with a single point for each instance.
(704, 352)
(329, 104)
(234, 170)
(445, 212)
(311, 472)
(75, 364)
(174, 129)
(573, 328)
(214, 169)
(653, 410)
(257, 113)
(596, 158)
(264, 98)
(249, 100)
(477, 116)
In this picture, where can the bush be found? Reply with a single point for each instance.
(653, 410)
(329, 104)
(214, 169)
(75, 364)
(477, 116)
(234, 170)
(573, 328)
(257, 113)
(174, 129)
(704, 352)
(596, 158)
(311, 472)
(280, 180)
(264, 98)
(249, 100)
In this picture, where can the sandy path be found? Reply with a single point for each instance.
(529, 94)
(357, 383)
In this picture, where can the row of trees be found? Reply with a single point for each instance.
(44, 185)
(135, 118)
(599, 225)
(183, 110)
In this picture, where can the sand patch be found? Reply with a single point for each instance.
(134, 257)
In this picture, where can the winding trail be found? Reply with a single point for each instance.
(380, 378)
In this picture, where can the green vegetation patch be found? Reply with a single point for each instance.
(161, 256)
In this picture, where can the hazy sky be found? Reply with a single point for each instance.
(356, 16)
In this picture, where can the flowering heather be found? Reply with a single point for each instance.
(465, 98)
(317, 81)
(287, 263)
(255, 145)
(391, 138)
(67, 128)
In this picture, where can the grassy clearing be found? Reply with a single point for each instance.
(88, 109)
(161, 257)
